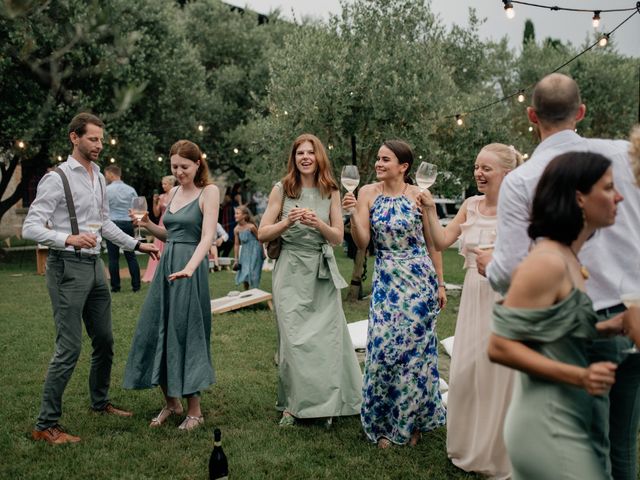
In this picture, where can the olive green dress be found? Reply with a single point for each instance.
(171, 345)
(318, 372)
(548, 430)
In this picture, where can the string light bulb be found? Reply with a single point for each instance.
(521, 96)
(236, 151)
(286, 113)
(112, 160)
(525, 156)
(59, 158)
(508, 9)
(113, 141)
(596, 19)
(459, 120)
(204, 156)
(159, 159)
(21, 144)
(604, 40)
(201, 128)
(530, 128)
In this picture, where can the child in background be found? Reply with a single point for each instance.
(248, 260)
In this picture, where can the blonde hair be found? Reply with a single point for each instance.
(169, 179)
(508, 157)
(634, 152)
(248, 217)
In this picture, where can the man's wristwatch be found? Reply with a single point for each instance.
(137, 247)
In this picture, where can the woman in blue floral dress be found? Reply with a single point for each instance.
(401, 397)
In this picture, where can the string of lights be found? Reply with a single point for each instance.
(520, 93)
(510, 12)
(460, 116)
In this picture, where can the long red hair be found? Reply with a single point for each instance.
(189, 150)
(323, 177)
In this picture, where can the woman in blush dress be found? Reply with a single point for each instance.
(159, 206)
(479, 391)
(401, 396)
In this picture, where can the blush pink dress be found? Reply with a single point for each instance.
(479, 391)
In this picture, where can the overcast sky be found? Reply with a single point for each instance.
(567, 26)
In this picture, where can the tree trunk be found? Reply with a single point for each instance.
(355, 289)
(5, 177)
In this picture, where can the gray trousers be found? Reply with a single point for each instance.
(79, 293)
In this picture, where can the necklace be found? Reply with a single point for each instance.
(584, 271)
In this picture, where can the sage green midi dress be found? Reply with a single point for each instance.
(318, 371)
(171, 345)
(549, 431)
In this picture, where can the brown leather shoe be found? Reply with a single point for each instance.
(111, 410)
(54, 435)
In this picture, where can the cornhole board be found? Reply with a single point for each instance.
(244, 299)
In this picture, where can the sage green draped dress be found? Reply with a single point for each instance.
(172, 345)
(549, 430)
(318, 371)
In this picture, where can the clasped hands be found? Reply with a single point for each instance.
(305, 216)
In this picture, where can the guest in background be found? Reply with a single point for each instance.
(249, 258)
(401, 396)
(172, 344)
(221, 237)
(479, 391)
(159, 206)
(547, 322)
(318, 372)
(120, 196)
(228, 222)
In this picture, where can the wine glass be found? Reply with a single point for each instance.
(426, 175)
(350, 179)
(486, 238)
(139, 209)
(630, 296)
(94, 226)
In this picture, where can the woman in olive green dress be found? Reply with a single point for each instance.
(318, 372)
(545, 324)
(171, 346)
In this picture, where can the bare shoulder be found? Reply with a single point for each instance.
(541, 274)
(369, 190)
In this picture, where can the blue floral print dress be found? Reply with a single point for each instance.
(400, 392)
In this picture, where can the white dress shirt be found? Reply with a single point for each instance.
(48, 219)
(610, 255)
(220, 233)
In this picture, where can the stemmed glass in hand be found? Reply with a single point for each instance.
(350, 178)
(486, 239)
(139, 209)
(630, 296)
(426, 175)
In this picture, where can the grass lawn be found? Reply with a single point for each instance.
(241, 403)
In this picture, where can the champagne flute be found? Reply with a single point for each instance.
(350, 179)
(630, 296)
(426, 175)
(94, 226)
(486, 238)
(139, 209)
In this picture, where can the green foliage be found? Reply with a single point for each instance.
(529, 33)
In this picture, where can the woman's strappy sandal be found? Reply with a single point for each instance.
(384, 443)
(164, 414)
(191, 422)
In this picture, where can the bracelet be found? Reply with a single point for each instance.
(441, 286)
(137, 247)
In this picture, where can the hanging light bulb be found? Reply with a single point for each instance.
(525, 156)
(20, 144)
(159, 159)
(201, 128)
(596, 19)
(59, 158)
(113, 141)
(286, 113)
(204, 155)
(112, 160)
(508, 9)
(604, 40)
(530, 128)
(459, 120)
(236, 151)
(521, 96)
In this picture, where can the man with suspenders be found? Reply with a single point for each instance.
(70, 215)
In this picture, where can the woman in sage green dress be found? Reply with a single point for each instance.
(171, 346)
(545, 324)
(318, 372)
